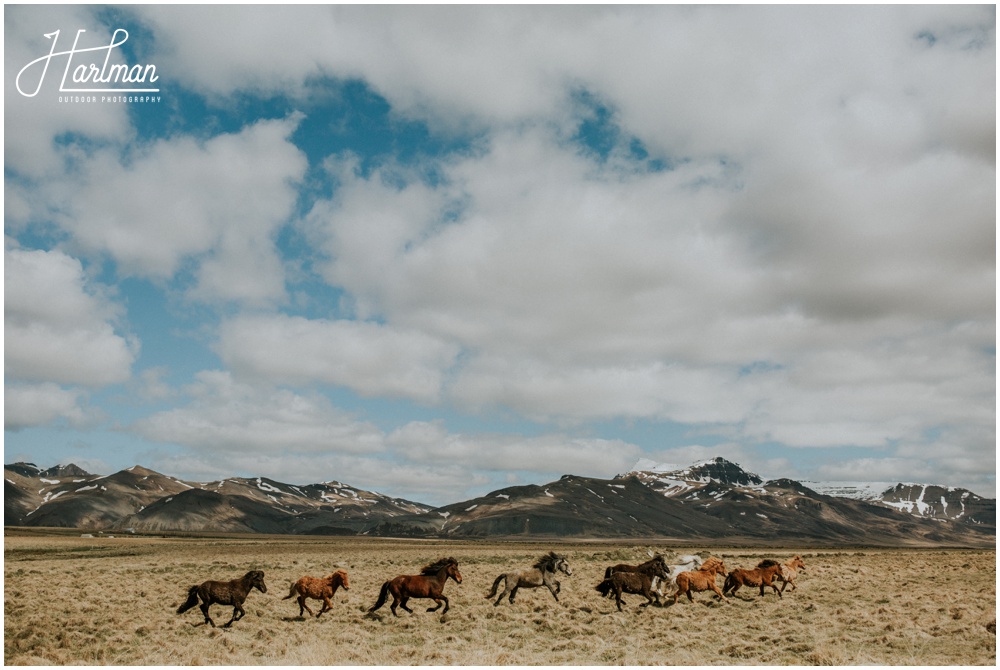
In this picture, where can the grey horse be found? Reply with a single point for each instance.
(542, 573)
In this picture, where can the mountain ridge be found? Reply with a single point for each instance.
(710, 501)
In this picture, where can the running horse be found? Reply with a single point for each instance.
(702, 579)
(224, 593)
(763, 575)
(637, 579)
(789, 571)
(317, 589)
(428, 584)
(542, 573)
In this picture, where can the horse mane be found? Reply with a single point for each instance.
(548, 560)
(767, 563)
(436, 567)
(654, 560)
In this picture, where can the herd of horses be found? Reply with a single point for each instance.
(655, 580)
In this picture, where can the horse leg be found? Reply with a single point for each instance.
(618, 598)
(502, 594)
(303, 604)
(402, 603)
(204, 610)
(327, 606)
(719, 593)
(554, 590)
(237, 615)
(513, 592)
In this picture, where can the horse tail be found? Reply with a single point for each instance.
(607, 573)
(496, 583)
(191, 601)
(730, 582)
(292, 591)
(604, 588)
(382, 596)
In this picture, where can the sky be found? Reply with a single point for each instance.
(437, 251)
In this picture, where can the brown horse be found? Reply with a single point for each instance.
(789, 571)
(702, 579)
(317, 589)
(763, 575)
(224, 593)
(638, 580)
(428, 584)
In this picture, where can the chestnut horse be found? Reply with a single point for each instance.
(428, 584)
(317, 589)
(224, 593)
(542, 573)
(789, 571)
(702, 579)
(763, 575)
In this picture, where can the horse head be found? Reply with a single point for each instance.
(256, 578)
(563, 566)
(452, 571)
(797, 563)
(340, 576)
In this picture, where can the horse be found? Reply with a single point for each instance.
(317, 589)
(638, 580)
(763, 575)
(224, 593)
(789, 571)
(542, 573)
(702, 579)
(625, 567)
(684, 564)
(428, 584)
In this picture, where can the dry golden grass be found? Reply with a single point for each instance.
(71, 600)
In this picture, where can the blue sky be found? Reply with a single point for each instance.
(434, 251)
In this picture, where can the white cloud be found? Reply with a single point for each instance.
(430, 443)
(58, 327)
(242, 419)
(219, 202)
(32, 150)
(28, 405)
(369, 358)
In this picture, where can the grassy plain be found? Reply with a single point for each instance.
(72, 600)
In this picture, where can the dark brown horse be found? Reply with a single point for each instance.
(638, 580)
(656, 559)
(763, 575)
(224, 593)
(317, 589)
(428, 584)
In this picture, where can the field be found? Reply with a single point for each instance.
(112, 601)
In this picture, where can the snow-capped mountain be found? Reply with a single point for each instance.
(141, 499)
(923, 500)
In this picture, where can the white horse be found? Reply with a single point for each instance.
(684, 564)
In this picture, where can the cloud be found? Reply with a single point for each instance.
(58, 326)
(241, 419)
(371, 359)
(35, 150)
(28, 405)
(430, 443)
(216, 204)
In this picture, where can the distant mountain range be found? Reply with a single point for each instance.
(711, 502)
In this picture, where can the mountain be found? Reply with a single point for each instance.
(848, 513)
(141, 499)
(571, 506)
(714, 502)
